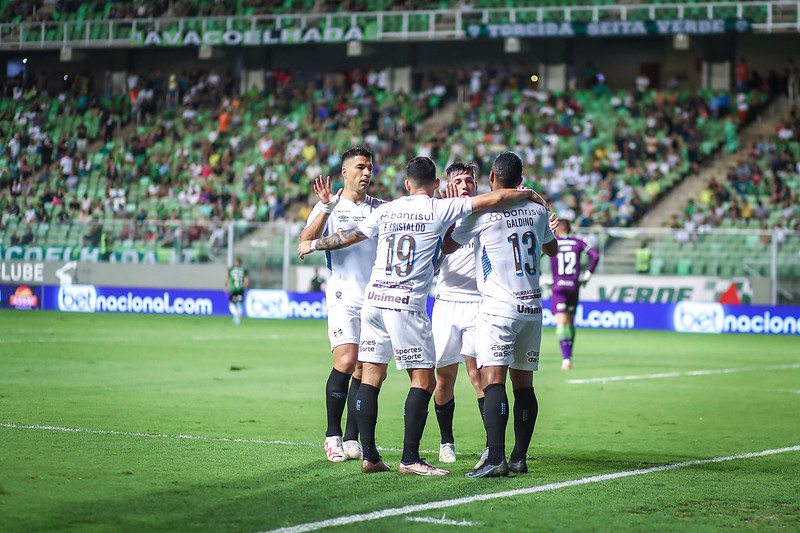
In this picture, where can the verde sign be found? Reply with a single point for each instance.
(610, 28)
(667, 289)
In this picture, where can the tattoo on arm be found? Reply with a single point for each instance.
(340, 239)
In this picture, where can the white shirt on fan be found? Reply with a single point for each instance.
(508, 245)
(409, 232)
(349, 267)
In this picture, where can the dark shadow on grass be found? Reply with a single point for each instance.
(311, 490)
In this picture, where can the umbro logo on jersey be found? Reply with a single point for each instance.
(338, 295)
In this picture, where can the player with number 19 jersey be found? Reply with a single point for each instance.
(409, 232)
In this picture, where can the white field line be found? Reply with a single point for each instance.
(441, 521)
(681, 374)
(116, 433)
(443, 504)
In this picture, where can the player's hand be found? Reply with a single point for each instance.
(322, 188)
(304, 249)
(450, 191)
(585, 277)
(552, 221)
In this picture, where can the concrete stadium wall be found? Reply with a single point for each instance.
(177, 276)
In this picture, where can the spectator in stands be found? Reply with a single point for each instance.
(742, 75)
(643, 256)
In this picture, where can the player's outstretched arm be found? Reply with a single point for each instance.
(503, 197)
(340, 239)
(449, 245)
(328, 201)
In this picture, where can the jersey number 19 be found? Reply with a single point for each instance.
(404, 248)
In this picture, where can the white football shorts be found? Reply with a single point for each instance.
(501, 341)
(344, 325)
(392, 333)
(453, 331)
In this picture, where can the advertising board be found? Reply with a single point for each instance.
(683, 316)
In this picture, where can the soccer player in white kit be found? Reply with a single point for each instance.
(508, 332)
(394, 323)
(349, 272)
(453, 320)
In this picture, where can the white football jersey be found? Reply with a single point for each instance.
(457, 282)
(508, 245)
(409, 232)
(349, 267)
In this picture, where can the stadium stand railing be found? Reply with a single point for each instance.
(98, 28)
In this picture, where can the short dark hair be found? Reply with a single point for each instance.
(566, 223)
(421, 171)
(460, 167)
(357, 151)
(508, 169)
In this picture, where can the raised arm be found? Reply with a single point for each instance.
(322, 188)
(340, 239)
(503, 197)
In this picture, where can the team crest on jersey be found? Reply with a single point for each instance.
(494, 217)
(338, 295)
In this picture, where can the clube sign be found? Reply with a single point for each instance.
(249, 37)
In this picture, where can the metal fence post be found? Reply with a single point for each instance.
(230, 244)
(773, 268)
(287, 249)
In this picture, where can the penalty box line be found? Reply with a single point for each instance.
(116, 433)
(689, 373)
(443, 504)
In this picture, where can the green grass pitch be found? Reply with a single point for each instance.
(119, 377)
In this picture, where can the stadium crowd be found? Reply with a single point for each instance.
(190, 147)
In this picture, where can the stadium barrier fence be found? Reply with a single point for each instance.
(613, 19)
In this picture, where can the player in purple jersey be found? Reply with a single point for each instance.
(567, 281)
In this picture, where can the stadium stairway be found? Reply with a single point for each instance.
(619, 255)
